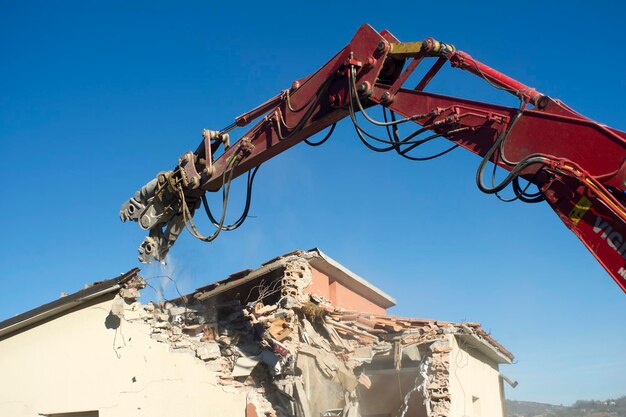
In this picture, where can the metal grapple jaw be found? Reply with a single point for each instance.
(161, 239)
(157, 208)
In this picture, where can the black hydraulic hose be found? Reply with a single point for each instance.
(244, 215)
(368, 118)
(527, 161)
(523, 195)
(321, 142)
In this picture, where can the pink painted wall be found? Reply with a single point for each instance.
(341, 296)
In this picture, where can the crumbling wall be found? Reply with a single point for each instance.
(279, 354)
(436, 388)
(295, 354)
(258, 344)
(85, 359)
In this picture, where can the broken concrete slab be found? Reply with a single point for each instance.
(208, 351)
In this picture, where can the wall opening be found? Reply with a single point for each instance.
(476, 407)
(393, 390)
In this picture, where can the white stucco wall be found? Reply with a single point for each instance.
(74, 363)
(473, 376)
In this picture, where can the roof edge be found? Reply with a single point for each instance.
(487, 347)
(226, 284)
(317, 259)
(353, 281)
(53, 308)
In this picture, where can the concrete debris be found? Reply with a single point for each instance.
(130, 290)
(208, 351)
(365, 381)
(438, 378)
(117, 308)
(295, 353)
(130, 293)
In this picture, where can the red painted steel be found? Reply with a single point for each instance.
(583, 161)
(465, 61)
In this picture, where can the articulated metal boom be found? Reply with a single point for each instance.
(576, 163)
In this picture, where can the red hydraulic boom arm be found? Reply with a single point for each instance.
(576, 164)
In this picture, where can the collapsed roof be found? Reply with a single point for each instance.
(294, 352)
(259, 330)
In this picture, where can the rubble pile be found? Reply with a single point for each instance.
(277, 351)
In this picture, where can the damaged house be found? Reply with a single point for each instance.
(299, 336)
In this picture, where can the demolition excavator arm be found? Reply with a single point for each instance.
(575, 164)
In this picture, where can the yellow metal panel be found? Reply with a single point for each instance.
(405, 49)
(579, 210)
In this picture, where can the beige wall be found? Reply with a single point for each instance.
(75, 363)
(473, 376)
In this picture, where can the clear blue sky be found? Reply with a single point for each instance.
(97, 97)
